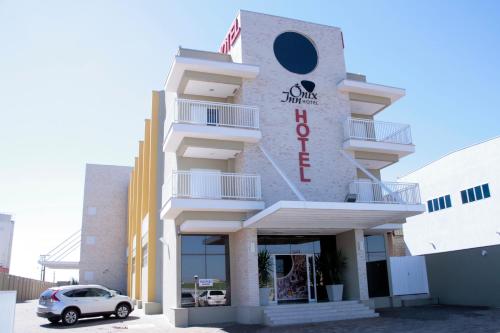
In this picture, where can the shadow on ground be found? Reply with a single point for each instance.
(89, 322)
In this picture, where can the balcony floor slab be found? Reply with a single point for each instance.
(331, 215)
(173, 207)
(178, 132)
(400, 150)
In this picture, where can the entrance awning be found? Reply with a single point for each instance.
(330, 215)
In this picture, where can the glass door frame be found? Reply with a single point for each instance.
(309, 271)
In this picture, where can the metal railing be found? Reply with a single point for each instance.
(367, 191)
(379, 131)
(212, 185)
(188, 111)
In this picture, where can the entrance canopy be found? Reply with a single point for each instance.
(331, 215)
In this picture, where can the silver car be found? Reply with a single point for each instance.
(69, 303)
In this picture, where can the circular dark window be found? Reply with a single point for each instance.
(295, 52)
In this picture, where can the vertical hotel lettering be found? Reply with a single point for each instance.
(303, 131)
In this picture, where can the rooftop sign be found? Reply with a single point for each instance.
(231, 37)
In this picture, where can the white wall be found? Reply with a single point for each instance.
(463, 225)
(6, 233)
(7, 311)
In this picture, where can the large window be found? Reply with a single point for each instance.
(472, 194)
(205, 262)
(440, 203)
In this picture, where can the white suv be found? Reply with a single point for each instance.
(69, 303)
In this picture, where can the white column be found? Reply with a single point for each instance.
(244, 268)
(352, 245)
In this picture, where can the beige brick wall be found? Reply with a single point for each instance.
(329, 172)
(104, 226)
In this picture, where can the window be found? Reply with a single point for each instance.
(375, 248)
(464, 196)
(205, 256)
(447, 198)
(77, 293)
(476, 193)
(486, 190)
(470, 194)
(440, 203)
(429, 206)
(97, 292)
(144, 262)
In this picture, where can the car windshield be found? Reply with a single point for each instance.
(216, 292)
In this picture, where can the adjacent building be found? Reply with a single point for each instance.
(103, 254)
(6, 236)
(266, 148)
(459, 234)
(462, 208)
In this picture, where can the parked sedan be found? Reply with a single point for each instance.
(69, 303)
(187, 300)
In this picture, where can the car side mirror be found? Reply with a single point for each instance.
(112, 293)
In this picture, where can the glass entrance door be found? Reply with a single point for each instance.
(294, 278)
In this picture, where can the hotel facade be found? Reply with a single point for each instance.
(264, 152)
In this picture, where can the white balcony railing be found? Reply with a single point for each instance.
(379, 131)
(212, 185)
(188, 111)
(367, 191)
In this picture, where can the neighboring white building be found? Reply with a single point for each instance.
(463, 206)
(6, 234)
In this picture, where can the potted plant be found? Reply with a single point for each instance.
(332, 265)
(265, 269)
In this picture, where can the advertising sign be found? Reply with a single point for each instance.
(205, 282)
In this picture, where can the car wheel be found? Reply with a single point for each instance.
(69, 317)
(122, 311)
(54, 320)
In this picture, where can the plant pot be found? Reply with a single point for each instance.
(264, 296)
(335, 292)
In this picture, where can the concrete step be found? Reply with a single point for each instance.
(318, 319)
(322, 314)
(313, 306)
(316, 312)
(303, 310)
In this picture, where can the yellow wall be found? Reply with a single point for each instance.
(142, 202)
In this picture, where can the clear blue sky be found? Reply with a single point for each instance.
(75, 80)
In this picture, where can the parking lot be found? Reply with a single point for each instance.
(415, 319)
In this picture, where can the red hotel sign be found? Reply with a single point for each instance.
(303, 131)
(231, 37)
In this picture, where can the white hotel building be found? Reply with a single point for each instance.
(267, 146)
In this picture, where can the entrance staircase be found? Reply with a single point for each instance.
(290, 314)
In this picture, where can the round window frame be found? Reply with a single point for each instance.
(310, 41)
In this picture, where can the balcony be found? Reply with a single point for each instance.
(368, 98)
(204, 120)
(211, 191)
(366, 191)
(205, 73)
(366, 135)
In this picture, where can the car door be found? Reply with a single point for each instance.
(102, 300)
(81, 299)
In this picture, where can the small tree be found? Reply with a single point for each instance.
(331, 267)
(265, 268)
